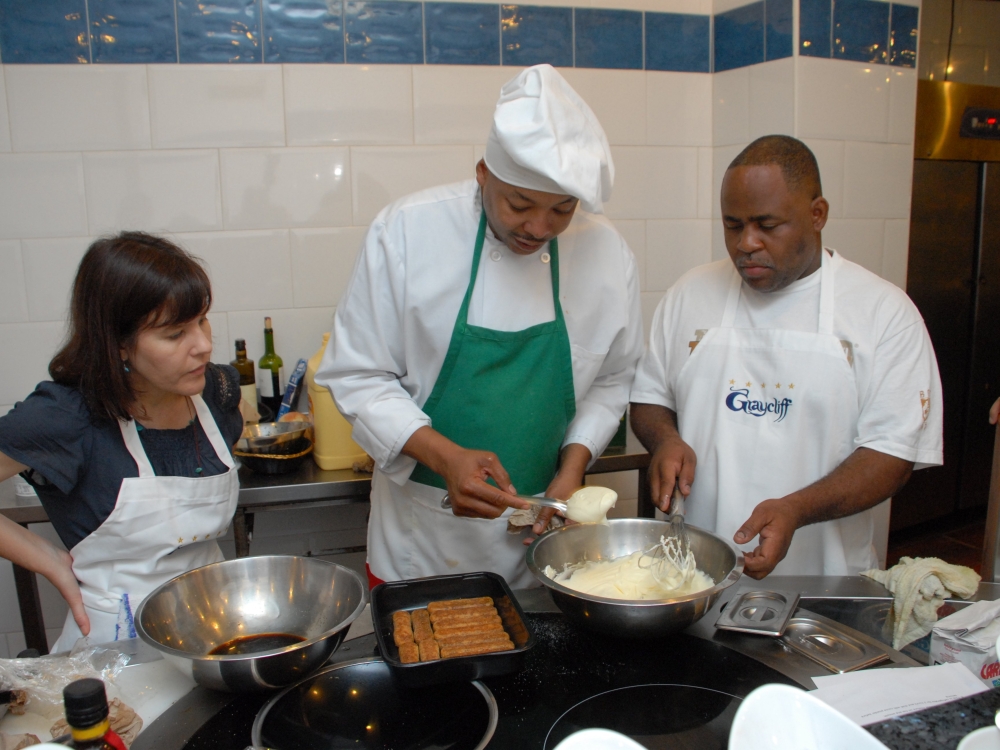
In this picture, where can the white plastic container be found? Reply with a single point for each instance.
(332, 444)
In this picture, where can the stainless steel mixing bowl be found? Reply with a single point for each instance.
(202, 609)
(620, 537)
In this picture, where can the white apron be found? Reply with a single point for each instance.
(160, 527)
(768, 412)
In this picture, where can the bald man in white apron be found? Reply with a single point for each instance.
(787, 391)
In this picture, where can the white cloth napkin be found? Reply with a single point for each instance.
(919, 586)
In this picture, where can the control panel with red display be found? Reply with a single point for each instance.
(979, 122)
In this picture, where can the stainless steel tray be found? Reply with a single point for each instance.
(759, 612)
(830, 644)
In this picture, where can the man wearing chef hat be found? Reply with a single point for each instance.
(487, 340)
(786, 391)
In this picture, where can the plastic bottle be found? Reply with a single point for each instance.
(332, 447)
(87, 715)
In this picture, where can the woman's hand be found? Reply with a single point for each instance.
(60, 575)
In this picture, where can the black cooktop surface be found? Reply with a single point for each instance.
(675, 692)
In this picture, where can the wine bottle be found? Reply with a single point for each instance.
(272, 375)
(87, 715)
(244, 366)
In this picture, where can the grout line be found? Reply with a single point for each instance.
(500, 32)
(832, 9)
(643, 40)
(423, 32)
(343, 26)
(764, 28)
(177, 32)
(796, 47)
(572, 33)
(263, 39)
(90, 37)
(888, 39)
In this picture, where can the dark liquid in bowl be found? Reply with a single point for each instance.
(250, 644)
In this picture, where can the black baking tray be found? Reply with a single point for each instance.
(417, 593)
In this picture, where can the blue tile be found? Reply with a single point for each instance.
(861, 30)
(303, 31)
(44, 31)
(778, 35)
(903, 39)
(223, 31)
(384, 31)
(814, 27)
(608, 38)
(739, 37)
(133, 31)
(462, 33)
(678, 41)
(535, 34)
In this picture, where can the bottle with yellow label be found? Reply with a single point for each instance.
(87, 715)
(332, 444)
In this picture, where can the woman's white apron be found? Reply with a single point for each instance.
(160, 527)
(769, 412)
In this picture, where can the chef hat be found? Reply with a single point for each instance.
(545, 137)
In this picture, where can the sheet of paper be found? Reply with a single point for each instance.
(874, 695)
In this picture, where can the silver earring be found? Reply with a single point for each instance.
(125, 365)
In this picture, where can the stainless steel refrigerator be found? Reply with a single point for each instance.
(953, 276)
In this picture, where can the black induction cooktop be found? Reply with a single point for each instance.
(676, 692)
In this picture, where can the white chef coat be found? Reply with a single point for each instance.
(882, 334)
(393, 326)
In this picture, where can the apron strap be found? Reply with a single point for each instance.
(826, 293)
(732, 300)
(131, 436)
(212, 431)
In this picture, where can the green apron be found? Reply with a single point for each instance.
(510, 392)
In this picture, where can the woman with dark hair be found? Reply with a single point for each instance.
(128, 445)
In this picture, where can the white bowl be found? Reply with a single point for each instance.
(987, 738)
(781, 717)
(598, 739)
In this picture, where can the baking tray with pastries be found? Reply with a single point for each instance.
(449, 628)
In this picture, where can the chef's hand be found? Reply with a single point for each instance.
(775, 522)
(995, 411)
(573, 463)
(465, 473)
(672, 464)
(60, 574)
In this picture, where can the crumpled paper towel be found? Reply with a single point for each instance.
(919, 586)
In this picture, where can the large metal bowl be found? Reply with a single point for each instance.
(192, 614)
(620, 537)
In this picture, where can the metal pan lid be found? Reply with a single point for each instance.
(760, 612)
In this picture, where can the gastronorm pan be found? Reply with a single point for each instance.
(417, 593)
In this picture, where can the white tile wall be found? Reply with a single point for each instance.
(78, 107)
(830, 157)
(286, 187)
(194, 106)
(172, 191)
(618, 98)
(381, 175)
(49, 269)
(322, 263)
(455, 103)
(223, 351)
(858, 240)
(298, 332)
(731, 107)
(654, 182)
(772, 98)
(674, 248)
(678, 109)
(4, 120)
(328, 104)
(42, 195)
(902, 104)
(249, 270)
(706, 195)
(13, 300)
(877, 180)
(31, 346)
(842, 100)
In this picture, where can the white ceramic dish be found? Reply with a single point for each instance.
(987, 738)
(598, 739)
(781, 717)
